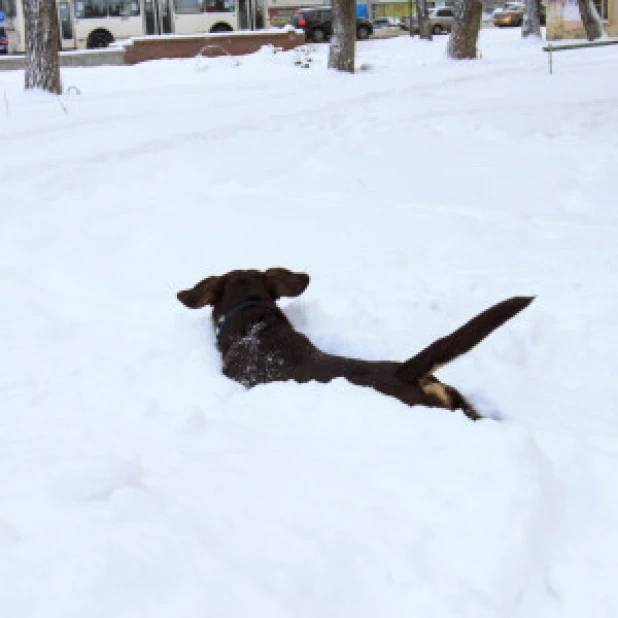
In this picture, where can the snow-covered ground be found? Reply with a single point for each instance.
(136, 481)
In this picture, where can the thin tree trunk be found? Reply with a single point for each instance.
(343, 40)
(424, 27)
(591, 20)
(532, 19)
(462, 43)
(42, 42)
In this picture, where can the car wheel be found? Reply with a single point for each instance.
(318, 35)
(437, 29)
(362, 33)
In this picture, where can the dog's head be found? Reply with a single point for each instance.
(226, 291)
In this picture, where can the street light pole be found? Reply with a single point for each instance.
(410, 5)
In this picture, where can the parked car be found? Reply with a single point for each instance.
(386, 22)
(512, 14)
(4, 41)
(440, 20)
(317, 22)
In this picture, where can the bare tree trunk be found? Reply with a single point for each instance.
(532, 19)
(343, 41)
(465, 32)
(42, 42)
(424, 27)
(591, 20)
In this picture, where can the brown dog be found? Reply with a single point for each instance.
(259, 345)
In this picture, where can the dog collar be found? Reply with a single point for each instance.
(224, 319)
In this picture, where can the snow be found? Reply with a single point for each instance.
(137, 481)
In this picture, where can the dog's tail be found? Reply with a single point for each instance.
(448, 348)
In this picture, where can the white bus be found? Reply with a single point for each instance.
(87, 24)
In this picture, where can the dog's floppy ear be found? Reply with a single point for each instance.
(283, 282)
(201, 294)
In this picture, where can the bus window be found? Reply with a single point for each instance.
(8, 6)
(90, 8)
(218, 6)
(123, 8)
(186, 7)
(65, 22)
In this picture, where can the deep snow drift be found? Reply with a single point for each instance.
(137, 481)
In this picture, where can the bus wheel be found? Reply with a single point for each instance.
(221, 28)
(98, 39)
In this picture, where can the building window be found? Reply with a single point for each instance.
(601, 6)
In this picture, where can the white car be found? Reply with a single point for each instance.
(441, 19)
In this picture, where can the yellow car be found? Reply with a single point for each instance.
(512, 14)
